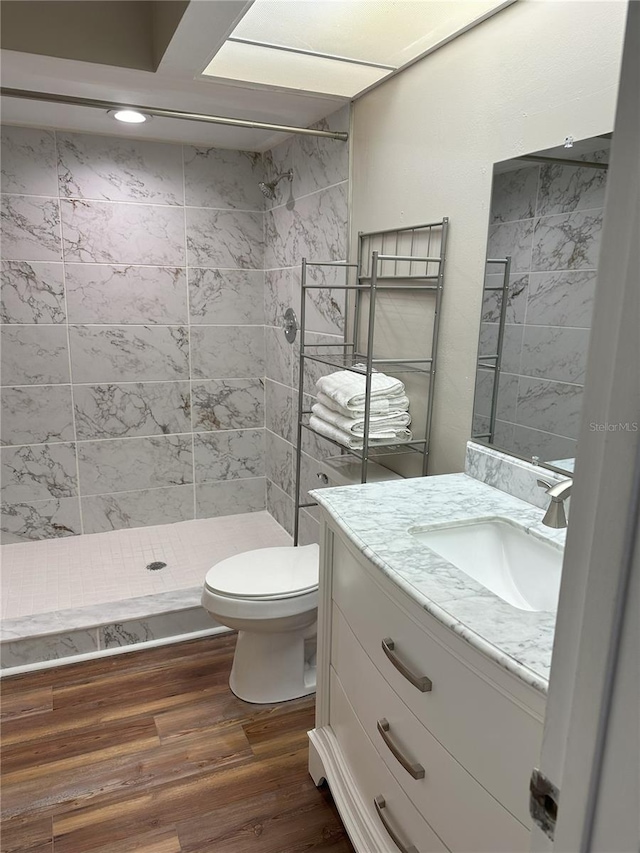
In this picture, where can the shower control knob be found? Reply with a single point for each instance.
(290, 325)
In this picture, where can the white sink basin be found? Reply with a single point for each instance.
(517, 566)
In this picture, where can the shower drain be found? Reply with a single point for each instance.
(153, 567)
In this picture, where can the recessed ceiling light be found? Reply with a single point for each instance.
(129, 116)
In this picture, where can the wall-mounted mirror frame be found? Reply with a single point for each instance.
(540, 277)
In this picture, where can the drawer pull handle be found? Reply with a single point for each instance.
(420, 681)
(413, 768)
(380, 804)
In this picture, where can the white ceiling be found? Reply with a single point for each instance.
(177, 84)
(256, 90)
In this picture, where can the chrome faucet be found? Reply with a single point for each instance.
(558, 492)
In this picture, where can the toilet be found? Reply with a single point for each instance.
(270, 596)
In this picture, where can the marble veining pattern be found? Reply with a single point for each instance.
(516, 298)
(37, 415)
(279, 356)
(125, 464)
(126, 295)
(563, 298)
(120, 233)
(509, 474)
(279, 462)
(551, 406)
(229, 455)
(512, 239)
(110, 168)
(132, 409)
(230, 497)
(280, 506)
(227, 404)
(28, 161)
(144, 508)
(227, 352)
(223, 179)
(377, 518)
(280, 407)
(129, 212)
(129, 353)
(224, 238)
(34, 355)
(567, 241)
(39, 472)
(278, 295)
(30, 228)
(564, 189)
(226, 297)
(514, 194)
(556, 352)
(32, 292)
(313, 229)
(26, 521)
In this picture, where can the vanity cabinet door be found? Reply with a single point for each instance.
(437, 784)
(495, 739)
(395, 814)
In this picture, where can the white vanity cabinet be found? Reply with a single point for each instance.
(427, 744)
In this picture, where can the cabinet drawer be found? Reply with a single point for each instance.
(496, 740)
(447, 790)
(373, 780)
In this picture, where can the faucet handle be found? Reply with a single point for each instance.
(544, 484)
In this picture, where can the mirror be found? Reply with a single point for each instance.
(542, 252)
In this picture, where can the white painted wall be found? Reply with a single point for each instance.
(424, 144)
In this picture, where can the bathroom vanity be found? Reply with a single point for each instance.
(431, 687)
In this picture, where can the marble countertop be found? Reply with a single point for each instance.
(376, 518)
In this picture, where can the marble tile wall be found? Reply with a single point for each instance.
(549, 219)
(308, 218)
(133, 339)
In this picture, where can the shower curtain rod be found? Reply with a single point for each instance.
(540, 158)
(161, 112)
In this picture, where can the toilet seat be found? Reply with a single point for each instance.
(266, 574)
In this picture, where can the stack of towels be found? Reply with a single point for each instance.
(339, 412)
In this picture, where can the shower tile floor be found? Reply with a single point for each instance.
(101, 568)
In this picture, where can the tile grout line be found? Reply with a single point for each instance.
(190, 357)
(68, 326)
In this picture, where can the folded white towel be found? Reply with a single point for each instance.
(383, 406)
(380, 426)
(348, 389)
(355, 442)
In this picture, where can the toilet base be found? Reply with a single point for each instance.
(271, 667)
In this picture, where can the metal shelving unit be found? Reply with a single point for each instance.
(493, 362)
(403, 260)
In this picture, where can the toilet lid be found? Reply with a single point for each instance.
(267, 573)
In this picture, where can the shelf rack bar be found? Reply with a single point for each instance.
(395, 230)
(434, 345)
(303, 306)
(412, 445)
(503, 319)
(505, 263)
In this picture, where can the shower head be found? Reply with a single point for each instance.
(268, 188)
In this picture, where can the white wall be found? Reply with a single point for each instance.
(424, 145)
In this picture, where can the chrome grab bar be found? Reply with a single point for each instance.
(422, 683)
(380, 804)
(413, 768)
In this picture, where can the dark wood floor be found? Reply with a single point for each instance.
(151, 752)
